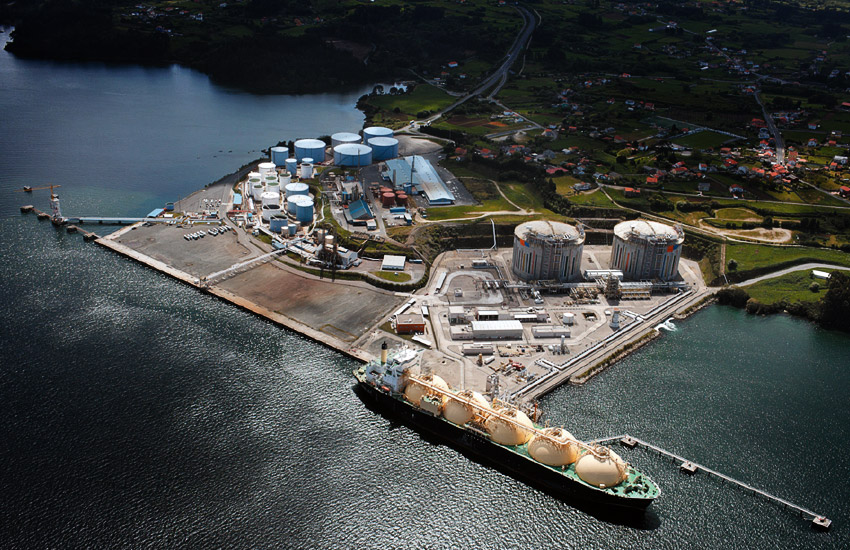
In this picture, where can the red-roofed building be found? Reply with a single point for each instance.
(631, 192)
(651, 179)
(844, 191)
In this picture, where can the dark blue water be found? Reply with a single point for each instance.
(137, 412)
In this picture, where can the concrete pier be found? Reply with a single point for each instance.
(690, 467)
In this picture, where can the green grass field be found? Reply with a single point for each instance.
(792, 287)
(423, 98)
(393, 276)
(754, 256)
(703, 140)
(737, 215)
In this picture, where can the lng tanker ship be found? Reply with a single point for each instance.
(505, 435)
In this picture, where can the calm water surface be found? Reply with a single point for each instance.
(138, 412)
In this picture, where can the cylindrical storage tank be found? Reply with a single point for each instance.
(293, 229)
(292, 166)
(304, 210)
(463, 407)
(646, 250)
(257, 190)
(169, 207)
(297, 188)
(386, 190)
(292, 204)
(270, 198)
(376, 131)
(279, 155)
(270, 210)
(284, 179)
(602, 468)
(556, 448)
(266, 168)
(306, 171)
(388, 200)
(278, 224)
(415, 390)
(344, 137)
(515, 429)
(352, 154)
(401, 199)
(273, 187)
(329, 241)
(569, 318)
(310, 148)
(383, 148)
(546, 250)
(270, 178)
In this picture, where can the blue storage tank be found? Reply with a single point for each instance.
(293, 229)
(383, 148)
(344, 137)
(304, 210)
(408, 189)
(291, 166)
(312, 148)
(352, 154)
(376, 131)
(278, 223)
(278, 155)
(291, 203)
(297, 188)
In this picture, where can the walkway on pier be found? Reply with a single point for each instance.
(116, 221)
(631, 441)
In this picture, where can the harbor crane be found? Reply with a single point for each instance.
(28, 189)
(54, 200)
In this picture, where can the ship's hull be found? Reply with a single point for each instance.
(538, 475)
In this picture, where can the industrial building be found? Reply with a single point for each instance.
(646, 250)
(393, 263)
(497, 330)
(409, 324)
(545, 250)
(358, 212)
(416, 172)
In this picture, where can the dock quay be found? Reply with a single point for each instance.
(690, 467)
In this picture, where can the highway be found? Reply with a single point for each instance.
(499, 77)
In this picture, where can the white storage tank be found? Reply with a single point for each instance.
(569, 318)
(383, 148)
(310, 148)
(266, 168)
(279, 155)
(547, 250)
(304, 210)
(646, 250)
(296, 188)
(306, 170)
(273, 187)
(352, 154)
(344, 137)
(284, 179)
(270, 210)
(270, 198)
(257, 190)
(292, 166)
(376, 131)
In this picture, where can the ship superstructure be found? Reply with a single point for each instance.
(503, 433)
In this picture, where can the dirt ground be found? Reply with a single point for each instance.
(342, 310)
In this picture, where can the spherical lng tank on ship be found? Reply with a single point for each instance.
(383, 148)
(645, 249)
(463, 407)
(352, 154)
(279, 155)
(304, 210)
(555, 447)
(344, 137)
(546, 250)
(602, 468)
(509, 427)
(297, 188)
(310, 148)
(416, 390)
(376, 131)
